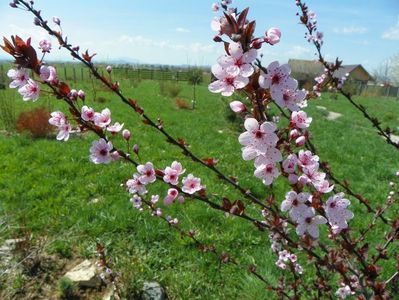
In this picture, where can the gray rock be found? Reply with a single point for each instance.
(321, 107)
(84, 274)
(153, 291)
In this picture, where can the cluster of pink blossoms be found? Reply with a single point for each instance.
(137, 186)
(27, 87)
(259, 143)
(283, 88)
(232, 71)
(285, 257)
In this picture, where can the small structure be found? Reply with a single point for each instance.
(306, 70)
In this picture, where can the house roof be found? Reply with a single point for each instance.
(314, 68)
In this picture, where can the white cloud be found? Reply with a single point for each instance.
(142, 41)
(392, 33)
(298, 52)
(181, 29)
(350, 30)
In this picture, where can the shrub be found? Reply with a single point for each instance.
(182, 104)
(35, 122)
(169, 88)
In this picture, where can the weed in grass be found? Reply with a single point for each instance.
(62, 248)
(66, 288)
(169, 88)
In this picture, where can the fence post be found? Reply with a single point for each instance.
(65, 73)
(81, 73)
(74, 74)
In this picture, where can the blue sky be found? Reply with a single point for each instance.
(178, 32)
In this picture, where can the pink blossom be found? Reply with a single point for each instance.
(100, 151)
(267, 173)
(238, 62)
(298, 268)
(337, 212)
(215, 7)
(191, 184)
(283, 255)
(64, 130)
(19, 77)
(126, 134)
(300, 119)
(273, 36)
(272, 155)
(258, 138)
(108, 69)
(87, 113)
(45, 46)
(48, 74)
(136, 201)
(323, 187)
(309, 222)
(134, 185)
(115, 128)
(154, 199)
(30, 91)
(280, 264)
(276, 76)
(289, 96)
(295, 204)
(312, 175)
(147, 173)
(171, 176)
(171, 196)
(81, 94)
(102, 119)
(306, 158)
(344, 292)
(57, 118)
(290, 163)
(226, 84)
(178, 167)
(237, 106)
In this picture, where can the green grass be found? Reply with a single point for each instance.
(47, 187)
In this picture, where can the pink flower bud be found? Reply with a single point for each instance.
(115, 155)
(300, 141)
(73, 94)
(237, 106)
(108, 69)
(294, 133)
(36, 21)
(57, 20)
(273, 36)
(217, 39)
(292, 178)
(136, 149)
(171, 196)
(13, 5)
(126, 134)
(257, 43)
(81, 94)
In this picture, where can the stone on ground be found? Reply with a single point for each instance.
(153, 291)
(84, 274)
(333, 115)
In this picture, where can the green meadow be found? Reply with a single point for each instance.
(51, 192)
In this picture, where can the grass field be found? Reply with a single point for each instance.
(47, 189)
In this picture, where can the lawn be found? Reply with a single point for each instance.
(47, 189)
